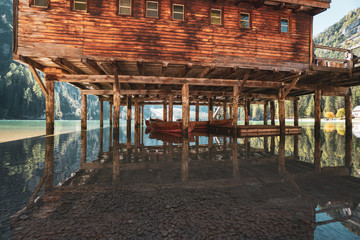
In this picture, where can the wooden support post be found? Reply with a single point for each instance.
(281, 113)
(296, 112)
(137, 114)
(235, 106)
(50, 111)
(225, 109)
(111, 114)
(247, 111)
(171, 107)
(266, 113)
(185, 109)
(211, 109)
(197, 111)
(101, 113)
(348, 124)
(272, 112)
(317, 152)
(128, 113)
(83, 112)
(165, 111)
(142, 115)
(117, 103)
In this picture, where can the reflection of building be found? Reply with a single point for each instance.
(356, 112)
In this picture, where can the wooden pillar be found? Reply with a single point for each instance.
(317, 152)
(296, 112)
(137, 114)
(117, 103)
(225, 109)
(235, 105)
(50, 111)
(171, 108)
(110, 114)
(101, 142)
(165, 111)
(247, 111)
(101, 113)
(128, 113)
(83, 112)
(210, 111)
(266, 113)
(185, 108)
(142, 115)
(272, 112)
(348, 124)
(281, 102)
(197, 111)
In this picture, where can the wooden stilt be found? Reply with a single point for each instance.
(211, 110)
(225, 109)
(296, 112)
(128, 113)
(171, 108)
(165, 111)
(110, 114)
(281, 102)
(137, 114)
(101, 142)
(317, 114)
(185, 109)
(272, 112)
(101, 114)
(83, 112)
(50, 111)
(142, 115)
(197, 111)
(247, 111)
(235, 106)
(266, 113)
(117, 103)
(348, 124)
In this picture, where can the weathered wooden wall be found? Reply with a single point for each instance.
(101, 33)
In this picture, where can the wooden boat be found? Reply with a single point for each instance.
(204, 125)
(147, 122)
(162, 126)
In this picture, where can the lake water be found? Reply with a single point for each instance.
(211, 164)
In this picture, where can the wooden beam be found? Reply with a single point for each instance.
(92, 65)
(308, 3)
(31, 62)
(38, 80)
(68, 66)
(290, 87)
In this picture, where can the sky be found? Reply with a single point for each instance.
(338, 9)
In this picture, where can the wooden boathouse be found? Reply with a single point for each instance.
(229, 53)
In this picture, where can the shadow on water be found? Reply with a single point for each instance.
(157, 185)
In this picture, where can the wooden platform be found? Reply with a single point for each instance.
(255, 130)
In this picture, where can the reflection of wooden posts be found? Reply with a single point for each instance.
(281, 154)
(296, 112)
(83, 112)
(281, 102)
(197, 111)
(235, 105)
(317, 152)
(348, 123)
(117, 102)
(225, 108)
(296, 146)
(83, 147)
(210, 110)
(171, 108)
(110, 138)
(235, 157)
(171, 152)
(266, 148)
(247, 148)
(101, 142)
(128, 113)
(137, 114)
(210, 147)
(101, 113)
(272, 145)
(116, 159)
(49, 102)
(266, 113)
(165, 111)
(110, 114)
(185, 109)
(247, 111)
(185, 159)
(272, 112)
(49, 163)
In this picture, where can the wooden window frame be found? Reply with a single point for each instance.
(250, 20)
(158, 9)
(72, 6)
(32, 4)
(221, 17)
(280, 25)
(118, 9)
(183, 12)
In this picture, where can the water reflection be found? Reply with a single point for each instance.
(270, 172)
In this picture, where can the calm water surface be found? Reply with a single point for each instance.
(22, 163)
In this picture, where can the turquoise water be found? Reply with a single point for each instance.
(22, 160)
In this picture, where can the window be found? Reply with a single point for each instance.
(216, 16)
(125, 7)
(80, 5)
(41, 3)
(152, 9)
(284, 25)
(178, 12)
(245, 20)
